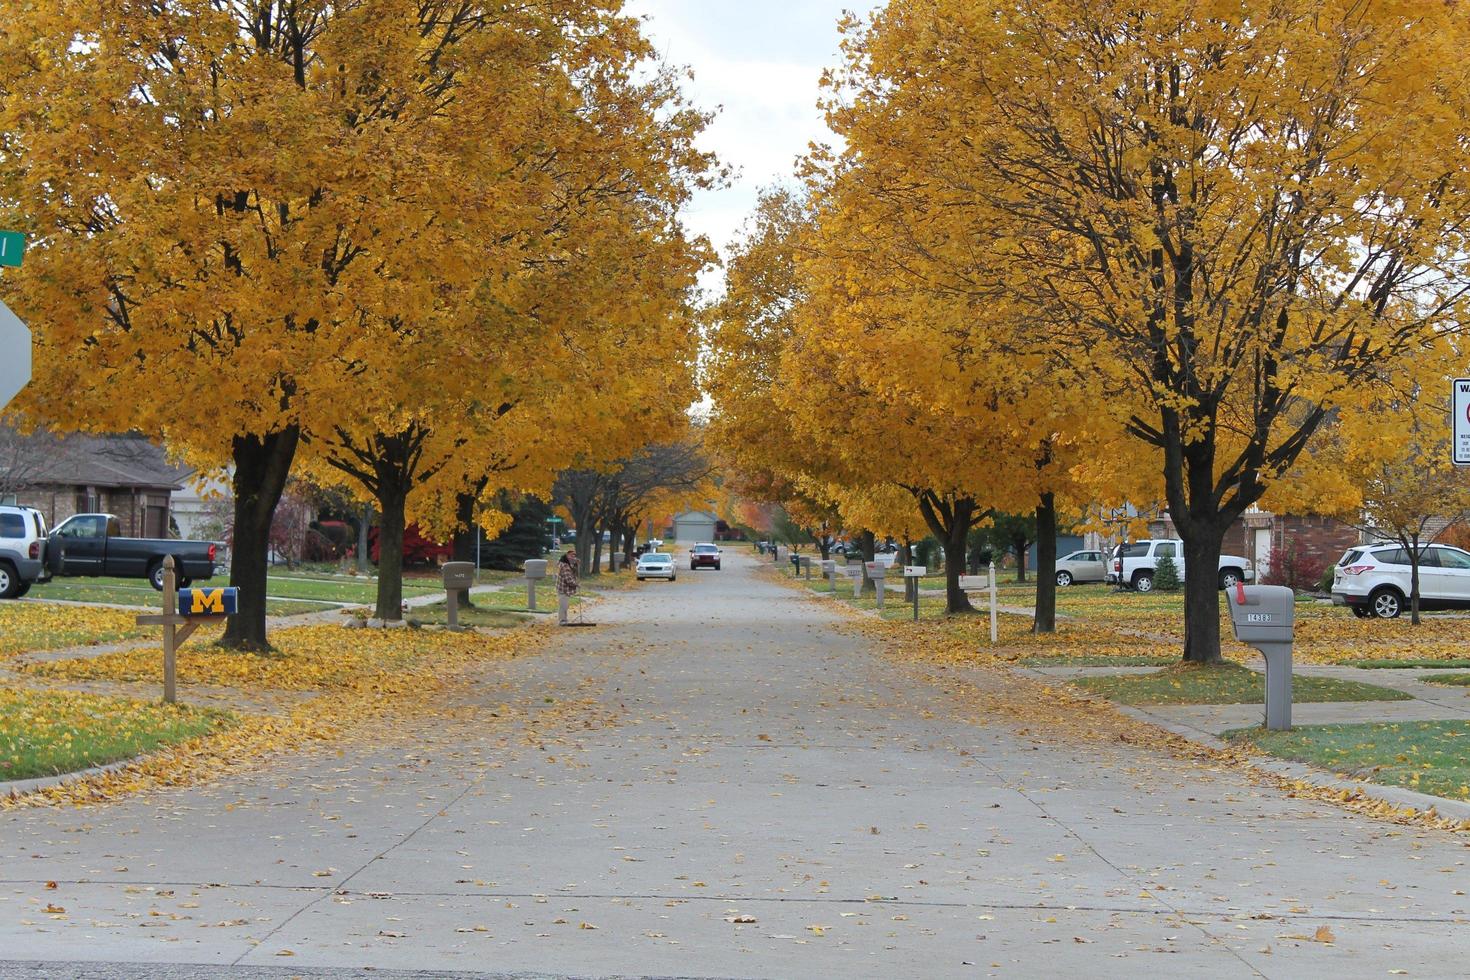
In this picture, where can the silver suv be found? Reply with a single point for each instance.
(22, 550)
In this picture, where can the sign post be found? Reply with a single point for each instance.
(1460, 420)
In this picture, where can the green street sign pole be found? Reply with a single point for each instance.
(12, 248)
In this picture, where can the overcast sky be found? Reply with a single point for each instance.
(758, 62)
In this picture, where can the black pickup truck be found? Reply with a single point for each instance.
(92, 544)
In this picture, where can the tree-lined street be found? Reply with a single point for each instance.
(727, 778)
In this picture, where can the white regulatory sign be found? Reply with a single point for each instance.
(15, 355)
(1460, 420)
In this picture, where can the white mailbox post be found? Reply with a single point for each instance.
(1265, 617)
(829, 569)
(915, 572)
(535, 570)
(806, 566)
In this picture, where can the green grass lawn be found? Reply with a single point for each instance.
(1399, 664)
(47, 733)
(1225, 684)
(1429, 756)
(484, 614)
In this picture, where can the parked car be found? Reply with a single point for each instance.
(92, 544)
(1081, 566)
(655, 564)
(704, 555)
(22, 550)
(1135, 564)
(1374, 580)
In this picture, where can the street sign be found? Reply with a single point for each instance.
(15, 355)
(1460, 416)
(12, 247)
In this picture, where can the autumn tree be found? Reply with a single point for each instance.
(1194, 203)
(240, 211)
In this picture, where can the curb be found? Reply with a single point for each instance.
(1302, 772)
(16, 788)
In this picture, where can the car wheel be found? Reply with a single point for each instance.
(1386, 603)
(717, 566)
(155, 576)
(640, 578)
(22, 589)
(184, 582)
(9, 581)
(1064, 579)
(1362, 612)
(1143, 582)
(1229, 578)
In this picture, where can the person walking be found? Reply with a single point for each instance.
(566, 584)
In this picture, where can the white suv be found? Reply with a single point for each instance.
(22, 550)
(1373, 580)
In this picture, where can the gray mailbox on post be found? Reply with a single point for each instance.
(1265, 617)
(458, 576)
(535, 570)
(806, 566)
(876, 570)
(829, 570)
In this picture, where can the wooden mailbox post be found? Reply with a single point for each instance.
(183, 613)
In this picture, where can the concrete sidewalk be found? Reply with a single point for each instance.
(721, 780)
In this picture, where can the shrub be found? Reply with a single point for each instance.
(1302, 572)
(1166, 575)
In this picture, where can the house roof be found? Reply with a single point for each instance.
(695, 515)
(46, 458)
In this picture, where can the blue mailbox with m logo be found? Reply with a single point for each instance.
(209, 602)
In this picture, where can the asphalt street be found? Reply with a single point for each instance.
(720, 779)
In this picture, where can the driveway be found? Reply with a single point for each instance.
(715, 782)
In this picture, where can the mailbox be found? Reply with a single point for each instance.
(852, 570)
(915, 571)
(876, 570)
(1263, 614)
(458, 574)
(535, 568)
(1265, 617)
(209, 602)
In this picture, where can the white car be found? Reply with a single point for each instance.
(1081, 566)
(1136, 563)
(1373, 580)
(655, 564)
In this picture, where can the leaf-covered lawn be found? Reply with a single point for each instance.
(27, 626)
(1448, 680)
(51, 732)
(1429, 756)
(306, 658)
(1225, 684)
(311, 593)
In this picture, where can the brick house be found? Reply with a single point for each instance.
(76, 473)
(1259, 534)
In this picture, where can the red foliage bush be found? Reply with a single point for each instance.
(1302, 572)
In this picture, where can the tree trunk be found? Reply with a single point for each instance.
(825, 544)
(364, 564)
(1046, 565)
(630, 543)
(595, 568)
(1018, 545)
(391, 500)
(262, 464)
(1202, 591)
(868, 551)
(955, 601)
(1414, 557)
